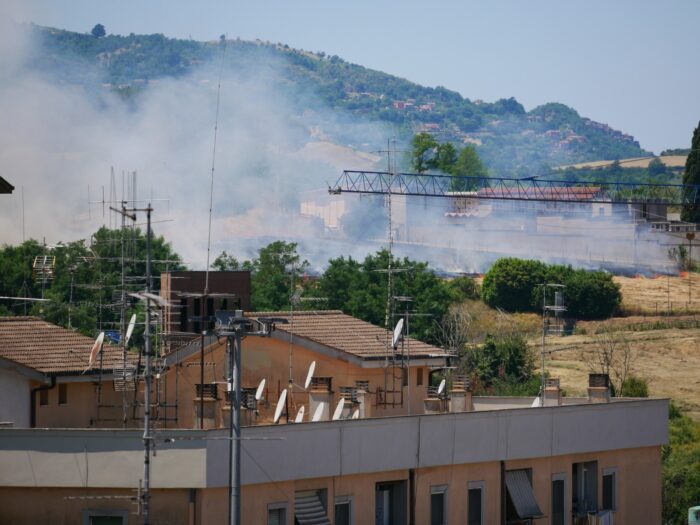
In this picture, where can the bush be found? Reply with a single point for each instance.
(513, 284)
(634, 387)
(503, 359)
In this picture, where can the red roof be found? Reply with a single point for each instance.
(50, 349)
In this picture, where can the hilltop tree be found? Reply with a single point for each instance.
(468, 164)
(692, 176)
(423, 152)
(98, 31)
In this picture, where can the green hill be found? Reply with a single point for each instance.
(510, 140)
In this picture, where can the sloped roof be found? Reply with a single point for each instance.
(334, 329)
(50, 349)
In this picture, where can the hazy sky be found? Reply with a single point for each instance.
(634, 65)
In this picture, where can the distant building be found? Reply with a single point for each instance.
(191, 311)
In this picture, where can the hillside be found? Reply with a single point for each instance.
(510, 140)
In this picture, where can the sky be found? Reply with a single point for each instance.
(632, 65)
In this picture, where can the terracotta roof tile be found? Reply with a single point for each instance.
(48, 348)
(343, 332)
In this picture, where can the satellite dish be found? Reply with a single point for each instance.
(356, 414)
(339, 409)
(130, 330)
(318, 413)
(441, 388)
(95, 350)
(300, 415)
(280, 405)
(309, 375)
(260, 390)
(397, 334)
(536, 402)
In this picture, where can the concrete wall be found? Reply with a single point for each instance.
(348, 458)
(15, 389)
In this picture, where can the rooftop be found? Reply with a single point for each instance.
(334, 329)
(48, 348)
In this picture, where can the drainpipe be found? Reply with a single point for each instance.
(32, 400)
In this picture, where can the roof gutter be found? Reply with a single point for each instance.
(32, 400)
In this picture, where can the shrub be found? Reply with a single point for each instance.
(513, 284)
(634, 387)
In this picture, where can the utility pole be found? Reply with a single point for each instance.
(690, 236)
(147, 438)
(234, 329)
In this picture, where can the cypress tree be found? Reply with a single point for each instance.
(692, 176)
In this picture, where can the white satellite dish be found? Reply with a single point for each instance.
(536, 402)
(260, 390)
(130, 329)
(96, 348)
(318, 413)
(356, 414)
(280, 405)
(309, 375)
(398, 335)
(300, 415)
(339, 409)
(441, 388)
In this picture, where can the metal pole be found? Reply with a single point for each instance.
(544, 317)
(123, 315)
(235, 431)
(147, 374)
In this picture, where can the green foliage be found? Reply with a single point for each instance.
(590, 295)
(634, 386)
(86, 277)
(273, 273)
(681, 468)
(692, 176)
(98, 31)
(656, 168)
(512, 141)
(462, 288)
(502, 365)
(513, 284)
(468, 164)
(360, 289)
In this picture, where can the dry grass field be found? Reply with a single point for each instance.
(659, 295)
(672, 161)
(668, 359)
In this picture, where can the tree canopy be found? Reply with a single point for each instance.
(692, 176)
(514, 285)
(98, 31)
(83, 293)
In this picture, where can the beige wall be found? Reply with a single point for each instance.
(262, 358)
(638, 488)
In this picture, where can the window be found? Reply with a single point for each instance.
(609, 489)
(419, 377)
(277, 514)
(585, 490)
(343, 510)
(43, 397)
(404, 377)
(521, 504)
(475, 503)
(558, 492)
(438, 505)
(62, 394)
(105, 517)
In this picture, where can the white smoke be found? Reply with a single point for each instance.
(57, 139)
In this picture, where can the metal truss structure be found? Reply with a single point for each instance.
(527, 189)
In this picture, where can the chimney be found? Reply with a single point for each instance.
(552, 393)
(320, 392)
(461, 395)
(598, 388)
(363, 399)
